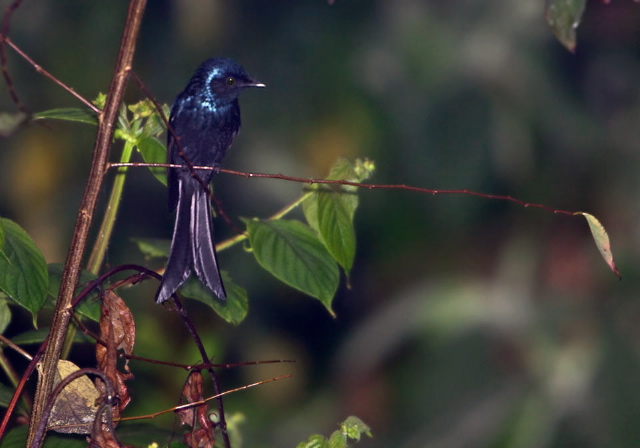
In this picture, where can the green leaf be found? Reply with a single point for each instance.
(291, 252)
(330, 210)
(353, 428)
(233, 310)
(337, 440)
(23, 270)
(38, 336)
(11, 122)
(145, 111)
(90, 305)
(5, 315)
(1, 236)
(153, 151)
(315, 441)
(2, 254)
(601, 239)
(335, 226)
(68, 114)
(564, 16)
(6, 394)
(153, 247)
(100, 100)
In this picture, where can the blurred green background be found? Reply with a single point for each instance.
(469, 322)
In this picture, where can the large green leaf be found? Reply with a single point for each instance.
(90, 305)
(23, 270)
(233, 310)
(331, 215)
(39, 335)
(153, 151)
(5, 314)
(1, 236)
(292, 252)
(330, 210)
(68, 114)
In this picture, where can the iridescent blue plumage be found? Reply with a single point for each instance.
(205, 118)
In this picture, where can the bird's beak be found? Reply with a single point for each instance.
(251, 82)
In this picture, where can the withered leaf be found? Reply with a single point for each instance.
(202, 429)
(74, 411)
(117, 331)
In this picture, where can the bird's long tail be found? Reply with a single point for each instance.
(192, 247)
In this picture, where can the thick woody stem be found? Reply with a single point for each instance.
(85, 214)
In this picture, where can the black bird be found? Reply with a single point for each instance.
(205, 118)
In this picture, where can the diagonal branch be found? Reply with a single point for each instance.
(4, 33)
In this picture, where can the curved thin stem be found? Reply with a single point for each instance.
(108, 221)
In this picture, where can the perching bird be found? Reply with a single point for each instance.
(205, 118)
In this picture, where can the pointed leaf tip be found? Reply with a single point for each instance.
(601, 239)
(68, 114)
(291, 252)
(563, 17)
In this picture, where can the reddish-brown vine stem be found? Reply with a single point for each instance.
(4, 33)
(48, 75)
(304, 180)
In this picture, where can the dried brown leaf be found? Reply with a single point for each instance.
(117, 331)
(191, 393)
(202, 434)
(105, 438)
(200, 438)
(74, 411)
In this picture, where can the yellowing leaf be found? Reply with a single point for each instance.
(601, 239)
(75, 408)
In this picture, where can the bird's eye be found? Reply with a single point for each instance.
(230, 81)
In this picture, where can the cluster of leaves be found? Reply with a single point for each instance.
(81, 406)
(352, 428)
(84, 408)
(307, 256)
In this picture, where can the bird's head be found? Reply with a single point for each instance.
(220, 81)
